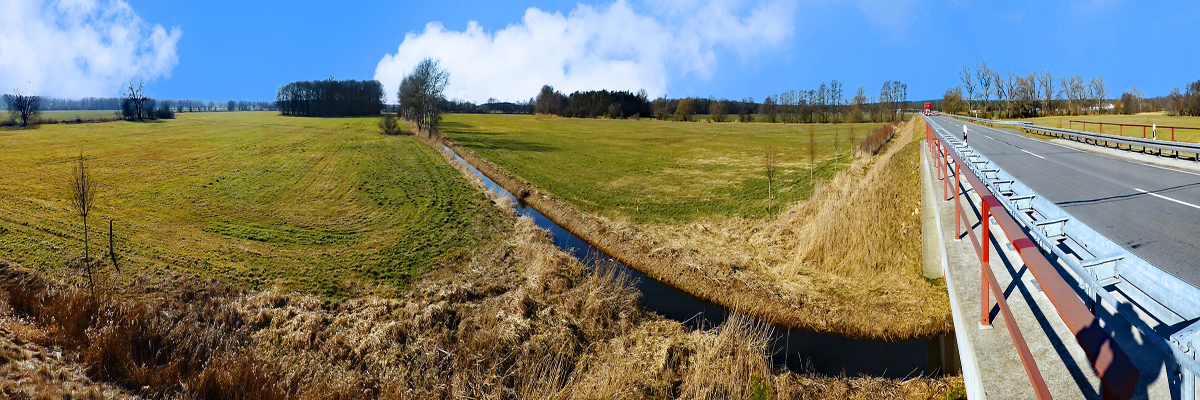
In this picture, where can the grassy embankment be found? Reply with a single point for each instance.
(687, 203)
(325, 206)
(509, 316)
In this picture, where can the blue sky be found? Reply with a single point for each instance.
(217, 50)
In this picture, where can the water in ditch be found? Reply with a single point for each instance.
(796, 349)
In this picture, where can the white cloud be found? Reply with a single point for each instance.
(614, 46)
(894, 16)
(79, 48)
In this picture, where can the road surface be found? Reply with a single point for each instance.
(1153, 212)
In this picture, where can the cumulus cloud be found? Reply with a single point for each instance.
(79, 48)
(617, 46)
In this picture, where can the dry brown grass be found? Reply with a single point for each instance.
(846, 261)
(522, 321)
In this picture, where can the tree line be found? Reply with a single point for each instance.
(827, 103)
(985, 92)
(593, 103)
(330, 98)
(492, 106)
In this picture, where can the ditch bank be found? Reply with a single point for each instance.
(796, 349)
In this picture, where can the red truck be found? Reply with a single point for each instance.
(928, 108)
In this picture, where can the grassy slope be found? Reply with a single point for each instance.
(655, 171)
(321, 205)
(1140, 119)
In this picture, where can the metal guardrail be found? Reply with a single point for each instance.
(982, 243)
(1146, 129)
(1101, 269)
(1099, 139)
(1102, 139)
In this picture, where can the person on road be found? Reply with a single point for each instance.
(964, 133)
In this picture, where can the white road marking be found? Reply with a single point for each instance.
(1168, 198)
(1031, 153)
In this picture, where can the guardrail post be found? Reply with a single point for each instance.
(957, 204)
(985, 317)
(945, 171)
(1187, 384)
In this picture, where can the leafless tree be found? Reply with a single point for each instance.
(770, 166)
(984, 75)
(952, 101)
(1010, 91)
(684, 110)
(662, 107)
(837, 99)
(1099, 93)
(23, 107)
(812, 153)
(83, 197)
(136, 99)
(421, 93)
(850, 142)
(716, 110)
(856, 109)
(968, 83)
(1046, 82)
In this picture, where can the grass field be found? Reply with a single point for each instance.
(657, 171)
(1183, 135)
(325, 206)
(71, 115)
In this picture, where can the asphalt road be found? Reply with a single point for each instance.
(1153, 212)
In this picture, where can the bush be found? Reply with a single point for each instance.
(683, 112)
(390, 125)
(873, 142)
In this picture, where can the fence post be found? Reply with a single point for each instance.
(957, 204)
(985, 318)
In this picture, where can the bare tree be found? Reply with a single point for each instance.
(23, 107)
(838, 99)
(856, 109)
(684, 110)
(812, 153)
(984, 75)
(716, 110)
(662, 107)
(1010, 91)
(135, 99)
(1046, 82)
(952, 101)
(968, 83)
(850, 142)
(1099, 93)
(83, 198)
(770, 109)
(421, 93)
(770, 166)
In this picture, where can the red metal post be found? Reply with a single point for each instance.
(987, 216)
(985, 283)
(957, 204)
(1143, 132)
